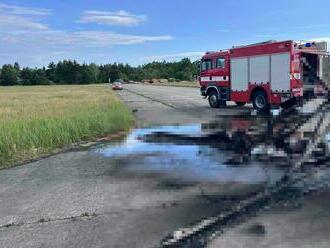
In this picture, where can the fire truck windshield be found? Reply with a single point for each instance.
(206, 64)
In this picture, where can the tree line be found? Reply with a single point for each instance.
(72, 72)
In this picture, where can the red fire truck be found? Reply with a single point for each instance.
(267, 74)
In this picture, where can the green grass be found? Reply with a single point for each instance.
(38, 120)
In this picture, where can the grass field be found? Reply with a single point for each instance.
(37, 120)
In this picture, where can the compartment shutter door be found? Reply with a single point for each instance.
(239, 73)
(259, 69)
(280, 72)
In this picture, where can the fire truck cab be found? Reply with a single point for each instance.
(267, 74)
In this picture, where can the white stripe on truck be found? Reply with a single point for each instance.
(214, 79)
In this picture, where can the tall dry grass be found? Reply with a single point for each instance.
(36, 120)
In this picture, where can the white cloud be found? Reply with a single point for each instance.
(26, 39)
(120, 18)
(175, 56)
(12, 22)
(19, 10)
(13, 17)
(22, 25)
(104, 38)
(52, 45)
(87, 38)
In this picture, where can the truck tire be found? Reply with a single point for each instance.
(214, 100)
(260, 101)
(240, 103)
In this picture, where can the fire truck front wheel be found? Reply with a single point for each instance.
(215, 101)
(260, 101)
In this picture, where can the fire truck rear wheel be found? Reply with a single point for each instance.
(260, 101)
(240, 103)
(214, 100)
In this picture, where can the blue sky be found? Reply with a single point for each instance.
(135, 32)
